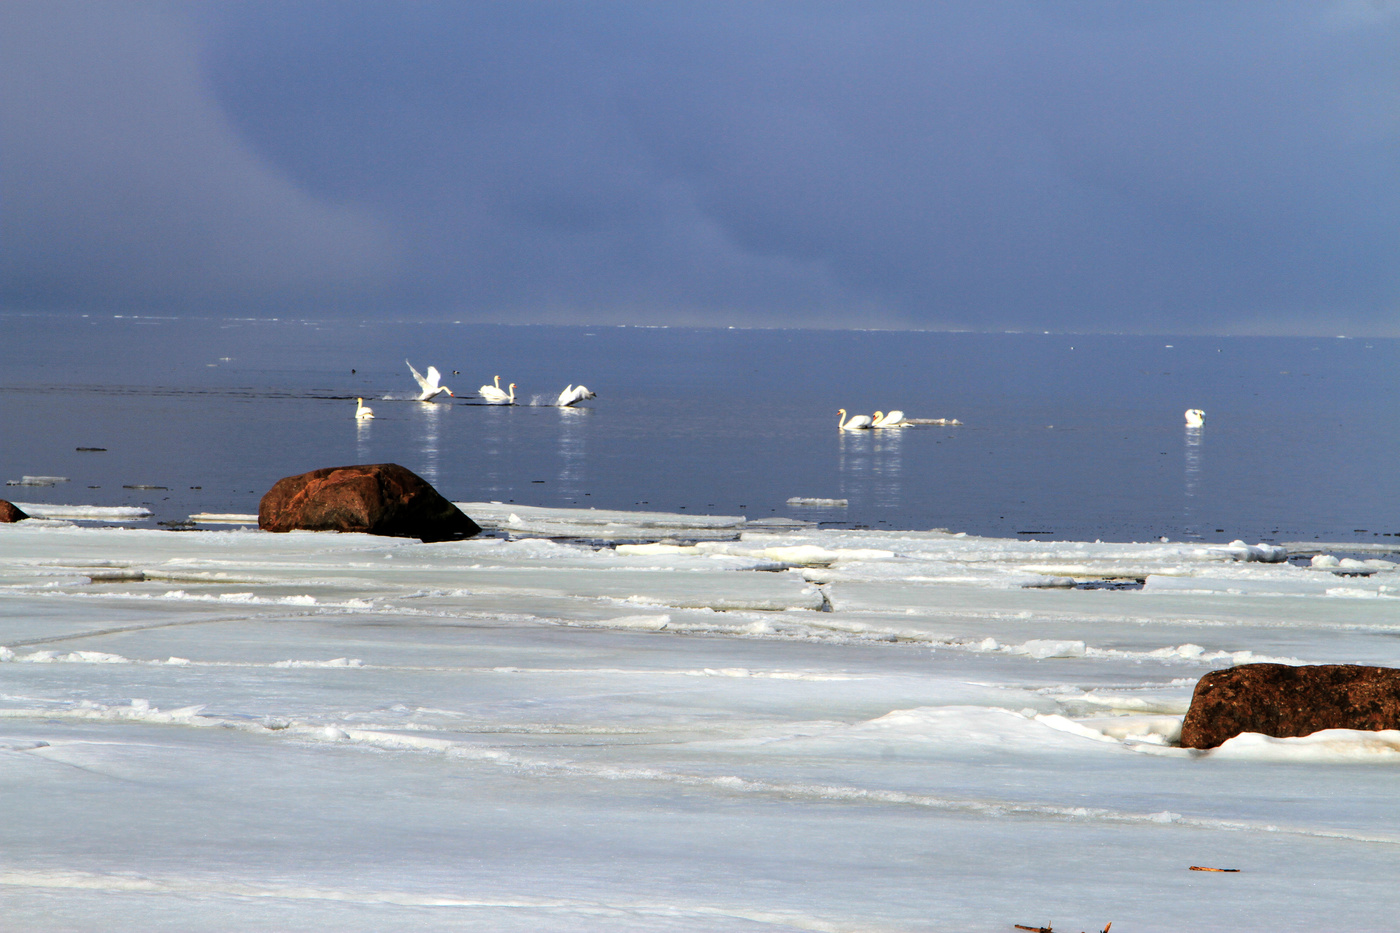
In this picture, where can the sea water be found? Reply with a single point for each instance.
(1061, 436)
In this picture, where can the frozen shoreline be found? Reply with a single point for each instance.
(775, 729)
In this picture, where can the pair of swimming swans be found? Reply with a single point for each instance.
(893, 419)
(496, 395)
(429, 385)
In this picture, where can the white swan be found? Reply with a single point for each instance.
(574, 394)
(858, 423)
(894, 419)
(493, 393)
(361, 412)
(1194, 416)
(430, 386)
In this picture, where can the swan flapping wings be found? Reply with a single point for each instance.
(574, 394)
(430, 385)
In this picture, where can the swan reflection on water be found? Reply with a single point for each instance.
(871, 467)
(492, 430)
(573, 452)
(1195, 437)
(429, 422)
(362, 437)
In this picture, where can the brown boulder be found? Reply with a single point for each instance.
(375, 498)
(9, 512)
(1283, 701)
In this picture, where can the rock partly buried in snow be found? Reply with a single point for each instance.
(375, 498)
(1283, 701)
(9, 512)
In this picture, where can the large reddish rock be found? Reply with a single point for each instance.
(1282, 701)
(9, 512)
(375, 498)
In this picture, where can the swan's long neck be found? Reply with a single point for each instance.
(497, 381)
(512, 391)
(840, 425)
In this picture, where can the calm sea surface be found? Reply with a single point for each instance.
(1062, 436)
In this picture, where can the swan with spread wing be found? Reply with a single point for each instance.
(430, 384)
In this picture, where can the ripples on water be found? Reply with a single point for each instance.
(1062, 436)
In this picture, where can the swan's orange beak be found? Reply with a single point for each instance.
(449, 392)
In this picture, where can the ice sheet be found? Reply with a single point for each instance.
(90, 513)
(785, 730)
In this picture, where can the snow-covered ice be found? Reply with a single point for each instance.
(712, 725)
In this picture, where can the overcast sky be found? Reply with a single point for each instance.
(1167, 167)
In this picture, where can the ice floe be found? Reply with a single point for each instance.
(84, 513)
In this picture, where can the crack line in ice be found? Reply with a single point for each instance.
(30, 643)
(145, 884)
(840, 793)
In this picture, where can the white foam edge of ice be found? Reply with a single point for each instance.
(224, 518)
(9, 655)
(806, 555)
(248, 599)
(497, 514)
(49, 656)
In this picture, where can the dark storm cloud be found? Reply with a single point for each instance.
(124, 185)
(1090, 166)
